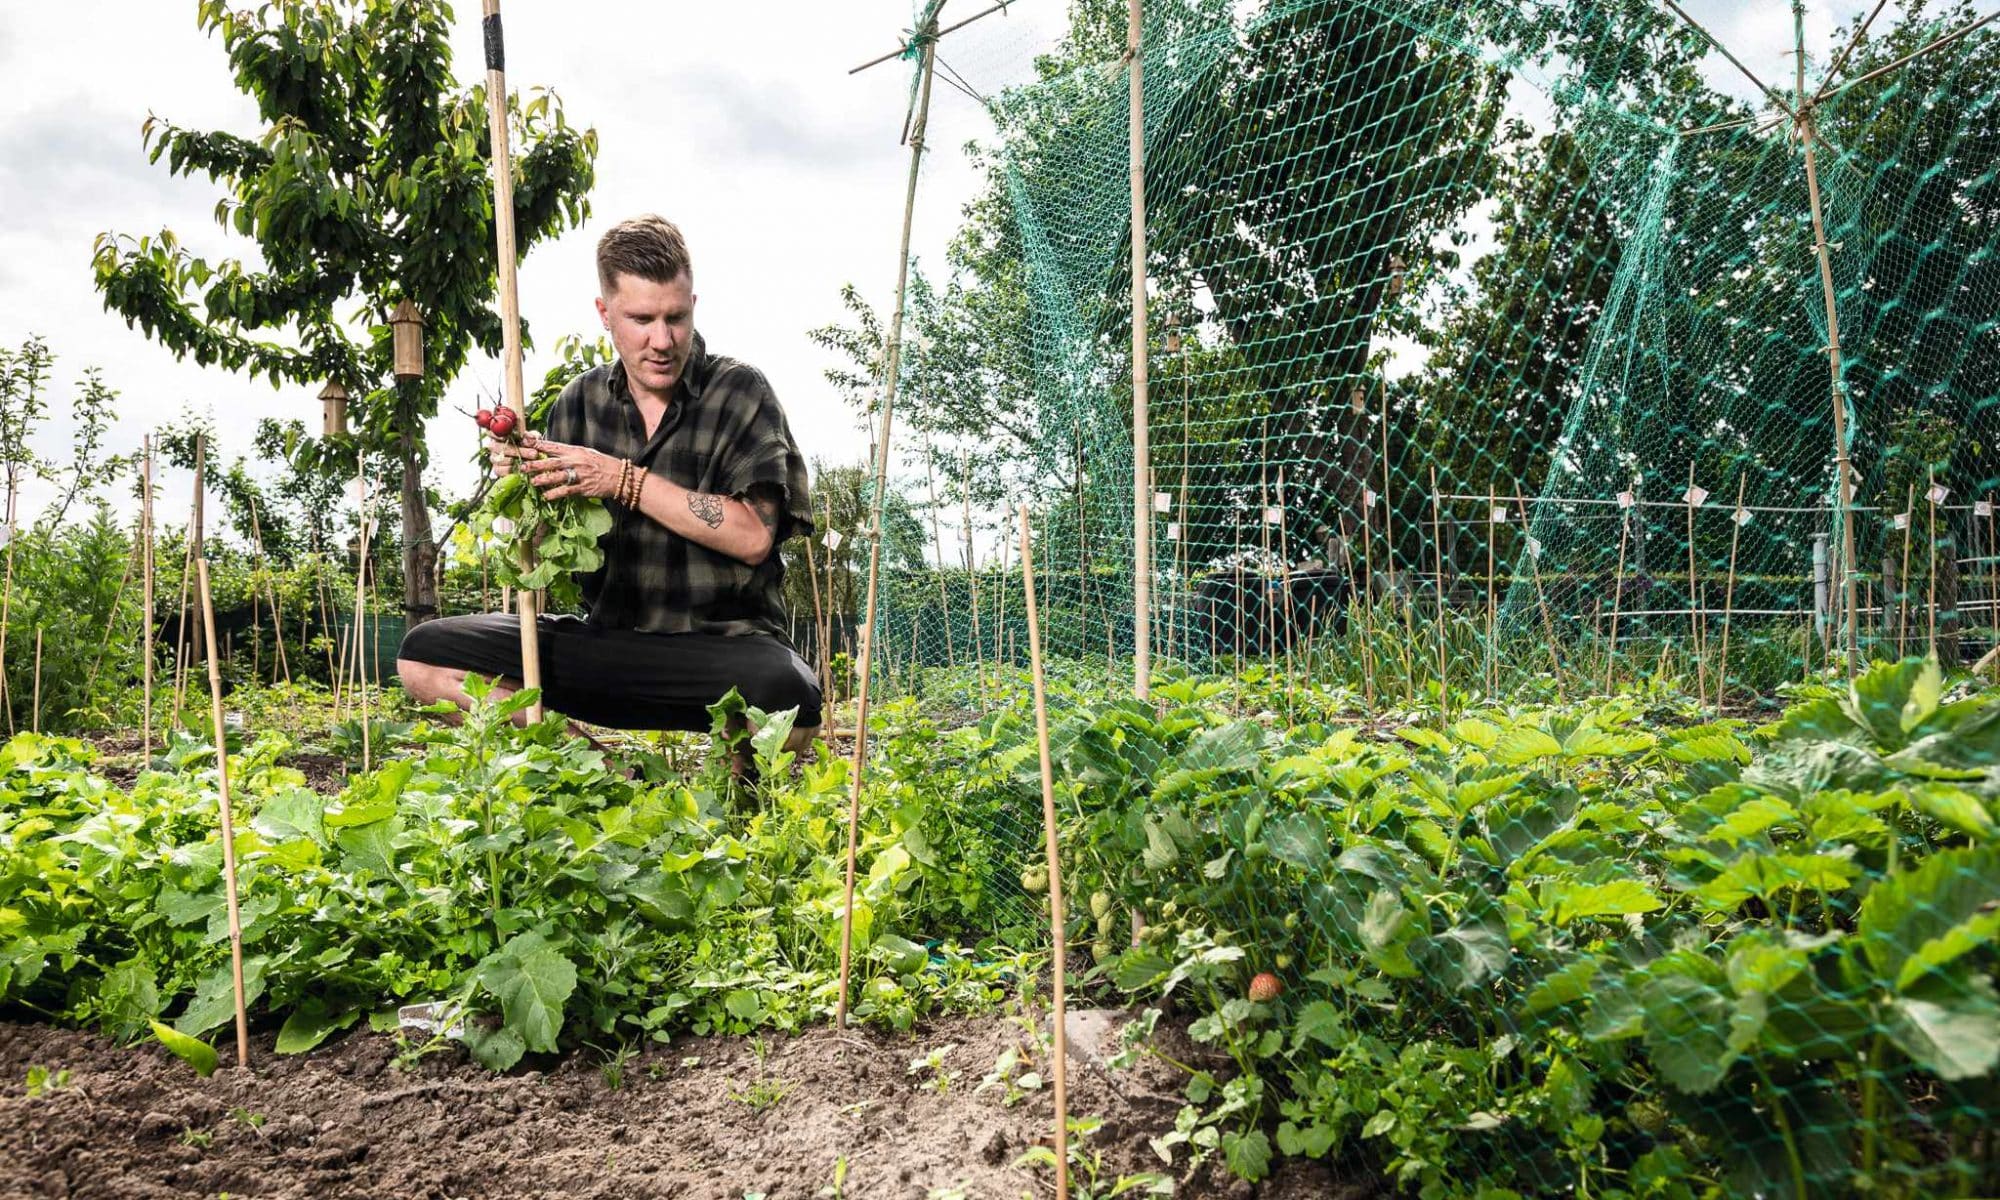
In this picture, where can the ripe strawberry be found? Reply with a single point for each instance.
(1265, 987)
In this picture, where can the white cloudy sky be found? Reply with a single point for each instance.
(738, 121)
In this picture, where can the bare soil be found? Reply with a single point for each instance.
(703, 1119)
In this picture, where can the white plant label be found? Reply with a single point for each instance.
(1173, 531)
(1499, 514)
(1937, 493)
(1534, 548)
(1742, 516)
(503, 525)
(1694, 496)
(6, 534)
(1368, 499)
(1627, 500)
(1982, 508)
(1902, 520)
(1163, 501)
(832, 539)
(1274, 515)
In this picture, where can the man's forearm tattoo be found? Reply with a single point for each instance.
(707, 508)
(767, 511)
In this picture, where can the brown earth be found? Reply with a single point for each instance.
(701, 1119)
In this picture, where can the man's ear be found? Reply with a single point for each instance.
(603, 313)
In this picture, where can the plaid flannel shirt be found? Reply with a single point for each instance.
(723, 433)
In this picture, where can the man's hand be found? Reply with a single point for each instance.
(561, 471)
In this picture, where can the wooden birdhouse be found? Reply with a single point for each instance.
(1173, 333)
(407, 326)
(333, 401)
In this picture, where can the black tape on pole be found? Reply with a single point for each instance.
(496, 52)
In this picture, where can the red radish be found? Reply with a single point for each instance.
(483, 418)
(502, 424)
(1265, 987)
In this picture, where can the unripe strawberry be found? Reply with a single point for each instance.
(1265, 987)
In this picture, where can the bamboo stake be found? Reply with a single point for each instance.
(1931, 538)
(1492, 601)
(823, 652)
(1236, 660)
(1992, 566)
(1142, 453)
(1541, 596)
(1267, 630)
(111, 618)
(1051, 846)
(944, 593)
(1729, 596)
(1694, 599)
(271, 585)
(228, 818)
(1903, 581)
(1617, 596)
(1285, 596)
(1808, 133)
(972, 585)
(191, 552)
(1367, 605)
(146, 616)
(360, 639)
(510, 321)
(37, 710)
(1437, 547)
(892, 370)
(7, 599)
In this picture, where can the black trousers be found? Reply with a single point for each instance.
(622, 678)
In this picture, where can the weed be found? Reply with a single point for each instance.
(42, 1081)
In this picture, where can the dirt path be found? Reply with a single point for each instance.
(703, 1119)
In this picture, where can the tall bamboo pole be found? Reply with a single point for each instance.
(1903, 583)
(1051, 846)
(1809, 135)
(944, 592)
(37, 710)
(972, 584)
(510, 310)
(1142, 450)
(1492, 601)
(1931, 540)
(271, 585)
(146, 616)
(1729, 594)
(359, 641)
(7, 599)
(1617, 594)
(228, 818)
(1694, 598)
(892, 369)
(1533, 549)
(1437, 549)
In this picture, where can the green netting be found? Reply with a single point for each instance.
(1490, 368)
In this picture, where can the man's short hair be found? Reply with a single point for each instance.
(649, 247)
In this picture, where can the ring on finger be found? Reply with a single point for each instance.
(569, 476)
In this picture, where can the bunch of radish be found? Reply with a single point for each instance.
(499, 422)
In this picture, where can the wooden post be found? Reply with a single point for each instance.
(228, 819)
(510, 320)
(892, 370)
(1729, 595)
(1051, 846)
(1618, 592)
(146, 616)
(1142, 453)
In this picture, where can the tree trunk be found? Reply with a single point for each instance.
(420, 588)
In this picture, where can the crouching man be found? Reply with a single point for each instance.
(692, 455)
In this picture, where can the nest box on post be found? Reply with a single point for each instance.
(333, 399)
(407, 325)
(1173, 333)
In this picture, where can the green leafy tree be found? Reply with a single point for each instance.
(367, 185)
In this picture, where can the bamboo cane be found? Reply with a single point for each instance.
(360, 638)
(1694, 599)
(1992, 566)
(228, 818)
(823, 653)
(7, 599)
(192, 551)
(944, 592)
(1903, 581)
(891, 372)
(972, 586)
(510, 314)
(1285, 595)
(1367, 605)
(146, 616)
(1142, 456)
(1437, 548)
(1931, 539)
(111, 618)
(1492, 600)
(271, 586)
(1729, 596)
(1541, 596)
(1617, 596)
(1267, 631)
(37, 710)
(1057, 928)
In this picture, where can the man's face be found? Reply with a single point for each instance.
(652, 325)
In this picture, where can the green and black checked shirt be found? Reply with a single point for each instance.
(723, 433)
